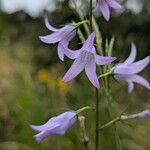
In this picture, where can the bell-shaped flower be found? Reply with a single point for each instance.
(103, 7)
(128, 70)
(55, 126)
(63, 35)
(85, 58)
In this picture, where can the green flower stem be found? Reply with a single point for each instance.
(97, 121)
(105, 74)
(91, 25)
(76, 25)
(112, 114)
(110, 123)
(96, 94)
(83, 109)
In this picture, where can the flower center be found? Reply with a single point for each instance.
(87, 56)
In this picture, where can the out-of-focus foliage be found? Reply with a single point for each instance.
(31, 90)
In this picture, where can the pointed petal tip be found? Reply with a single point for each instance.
(93, 34)
(61, 58)
(48, 25)
(107, 18)
(37, 138)
(132, 43)
(130, 91)
(133, 46)
(42, 38)
(115, 4)
(45, 18)
(65, 79)
(97, 86)
(114, 58)
(33, 127)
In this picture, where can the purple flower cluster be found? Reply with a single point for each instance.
(86, 59)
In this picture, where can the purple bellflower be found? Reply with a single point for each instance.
(63, 35)
(85, 58)
(103, 7)
(55, 126)
(127, 70)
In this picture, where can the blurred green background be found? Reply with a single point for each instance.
(31, 90)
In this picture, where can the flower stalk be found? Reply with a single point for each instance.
(83, 109)
(76, 25)
(143, 114)
(105, 74)
(96, 94)
(97, 121)
(112, 114)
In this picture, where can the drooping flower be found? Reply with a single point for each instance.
(103, 7)
(87, 58)
(63, 35)
(55, 126)
(128, 70)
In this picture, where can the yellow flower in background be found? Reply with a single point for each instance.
(45, 77)
(63, 87)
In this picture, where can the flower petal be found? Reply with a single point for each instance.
(60, 51)
(139, 65)
(88, 44)
(122, 69)
(45, 133)
(52, 38)
(127, 79)
(48, 25)
(55, 120)
(64, 34)
(90, 70)
(68, 52)
(102, 60)
(114, 4)
(65, 42)
(140, 80)
(130, 86)
(59, 127)
(104, 8)
(132, 55)
(49, 124)
(67, 32)
(75, 69)
(133, 78)
(70, 35)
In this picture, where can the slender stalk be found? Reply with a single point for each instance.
(105, 74)
(110, 123)
(97, 121)
(91, 15)
(112, 115)
(83, 109)
(96, 95)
